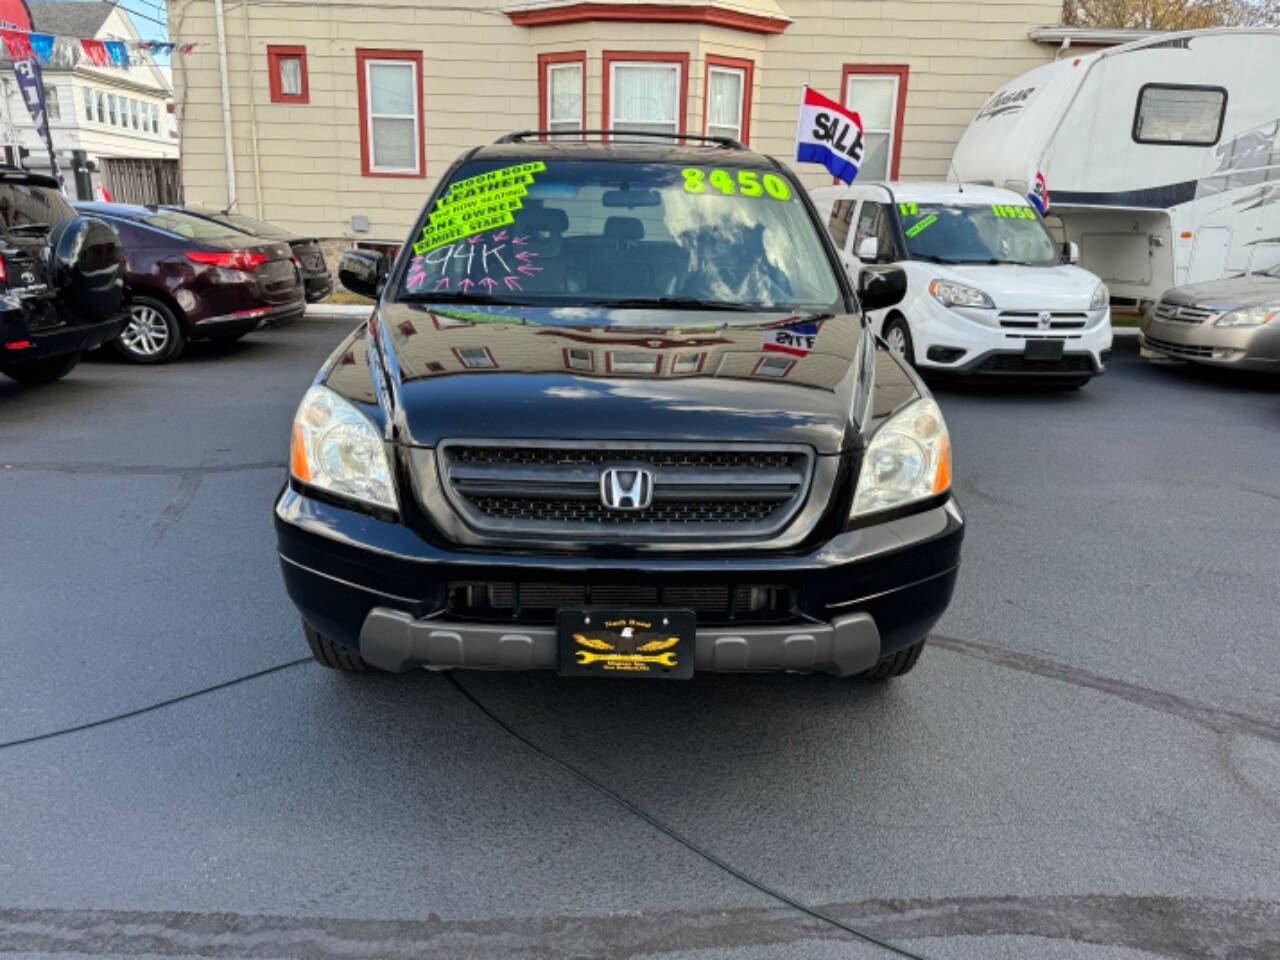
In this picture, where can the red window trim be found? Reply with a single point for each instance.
(276, 53)
(608, 364)
(748, 68)
(649, 13)
(591, 358)
(493, 364)
(364, 54)
(544, 104)
(675, 358)
(902, 71)
(624, 56)
(765, 359)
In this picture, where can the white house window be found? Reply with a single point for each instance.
(725, 87)
(564, 96)
(102, 107)
(291, 76)
(475, 358)
(874, 96)
(579, 358)
(52, 106)
(88, 104)
(1173, 113)
(111, 108)
(391, 115)
(135, 107)
(155, 118)
(644, 97)
(773, 367)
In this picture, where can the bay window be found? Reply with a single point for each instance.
(727, 97)
(562, 91)
(645, 92)
(389, 86)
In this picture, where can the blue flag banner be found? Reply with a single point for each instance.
(31, 84)
(42, 46)
(118, 51)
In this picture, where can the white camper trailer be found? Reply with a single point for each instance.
(1161, 157)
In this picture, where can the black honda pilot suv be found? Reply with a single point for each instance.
(617, 413)
(62, 280)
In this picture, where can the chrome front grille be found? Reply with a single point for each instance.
(1181, 312)
(1030, 320)
(554, 488)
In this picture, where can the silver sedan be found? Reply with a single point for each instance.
(1224, 323)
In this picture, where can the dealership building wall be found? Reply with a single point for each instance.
(315, 150)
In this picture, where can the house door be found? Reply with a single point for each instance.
(1209, 255)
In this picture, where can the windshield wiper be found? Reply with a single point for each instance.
(693, 303)
(934, 258)
(457, 296)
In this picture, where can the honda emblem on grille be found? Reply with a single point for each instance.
(626, 488)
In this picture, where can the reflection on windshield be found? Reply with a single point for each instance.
(988, 233)
(614, 233)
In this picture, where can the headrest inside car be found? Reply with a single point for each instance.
(623, 228)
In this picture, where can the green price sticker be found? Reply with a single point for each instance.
(908, 209)
(749, 183)
(924, 224)
(1010, 211)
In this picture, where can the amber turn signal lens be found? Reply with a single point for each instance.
(298, 456)
(942, 475)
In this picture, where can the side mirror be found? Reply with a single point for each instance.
(868, 250)
(881, 288)
(1070, 253)
(363, 272)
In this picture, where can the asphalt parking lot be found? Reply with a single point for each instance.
(1086, 762)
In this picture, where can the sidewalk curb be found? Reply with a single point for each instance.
(338, 311)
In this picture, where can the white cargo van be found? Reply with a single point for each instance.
(989, 292)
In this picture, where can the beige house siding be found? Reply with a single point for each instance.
(480, 81)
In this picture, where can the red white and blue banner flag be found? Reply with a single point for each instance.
(1039, 195)
(829, 134)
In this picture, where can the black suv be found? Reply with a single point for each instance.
(62, 280)
(617, 413)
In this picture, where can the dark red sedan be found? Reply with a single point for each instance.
(194, 279)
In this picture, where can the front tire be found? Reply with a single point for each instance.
(42, 371)
(897, 336)
(894, 665)
(152, 335)
(329, 654)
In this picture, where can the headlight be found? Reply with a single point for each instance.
(952, 294)
(1247, 317)
(908, 459)
(335, 447)
(1101, 297)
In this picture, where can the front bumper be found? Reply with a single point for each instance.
(1242, 348)
(377, 587)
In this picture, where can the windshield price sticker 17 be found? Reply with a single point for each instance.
(477, 204)
(750, 183)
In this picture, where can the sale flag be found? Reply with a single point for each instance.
(829, 134)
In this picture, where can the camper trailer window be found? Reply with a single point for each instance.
(974, 233)
(1179, 114)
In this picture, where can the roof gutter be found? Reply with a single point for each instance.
(1091, 36)
(226, 104)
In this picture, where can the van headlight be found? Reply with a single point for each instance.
(952, 294)
(908, 459)
(1247, 317)
(1101, 297)
(337, 448)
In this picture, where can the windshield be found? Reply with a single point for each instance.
(976, 233)
(622, 234)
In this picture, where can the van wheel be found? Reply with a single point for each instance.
(894, 665)
(329, 654)
(152, 335)
(42, 371)
(897, 336)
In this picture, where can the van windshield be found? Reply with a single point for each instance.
(625, 234)
(976, 233)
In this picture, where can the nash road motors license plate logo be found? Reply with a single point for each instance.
(626, 643)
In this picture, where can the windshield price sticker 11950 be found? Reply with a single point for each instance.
(749, 183)
(1010, 211)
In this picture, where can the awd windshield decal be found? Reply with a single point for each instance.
(483, 202)
(924, 224)
(749, 183)
(1009, 211)
(477, 262)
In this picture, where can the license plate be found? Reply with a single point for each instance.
(635, 643)
(1043, 350)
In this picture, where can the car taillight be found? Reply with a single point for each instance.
(4, 272)
(246, 260)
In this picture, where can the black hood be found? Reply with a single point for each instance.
(618, 374)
